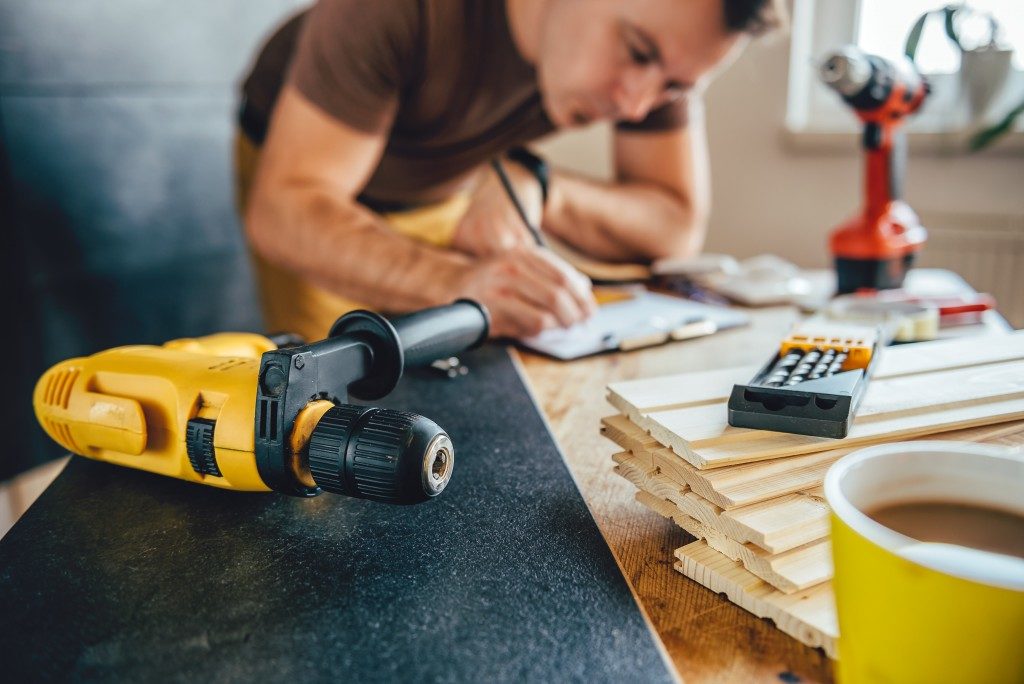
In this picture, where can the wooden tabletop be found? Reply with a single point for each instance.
(705, 636)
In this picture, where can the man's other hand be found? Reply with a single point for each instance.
(527, 290)
(491, 224)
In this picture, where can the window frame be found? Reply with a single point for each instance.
(816, 117)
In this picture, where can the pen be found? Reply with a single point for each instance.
(499, 168)
(510, 191)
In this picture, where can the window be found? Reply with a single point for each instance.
(881, 27)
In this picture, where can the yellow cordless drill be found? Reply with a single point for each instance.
(235, 410)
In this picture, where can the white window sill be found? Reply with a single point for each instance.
(811, 141)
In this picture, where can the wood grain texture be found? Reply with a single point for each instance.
(637, 398)
(898, 406)
(789, 572)
(733, 487)
(707, 637)
(776, 525)
(884, 428)
(681, 411)
(808, 616)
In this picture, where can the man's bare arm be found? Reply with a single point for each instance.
(657, 206)
(303, 216)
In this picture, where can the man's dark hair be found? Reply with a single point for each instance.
(755, 17)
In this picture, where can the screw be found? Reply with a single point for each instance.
(299, 363)
(275, 379)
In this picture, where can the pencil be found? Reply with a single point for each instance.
(499, 168)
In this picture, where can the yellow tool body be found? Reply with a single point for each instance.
(131, 405)
(233, 410)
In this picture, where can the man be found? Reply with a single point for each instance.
(373, 124)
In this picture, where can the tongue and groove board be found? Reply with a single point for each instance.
(789, 571)
(808, 616)
(780, 502)
(782, 541)
(740, 486)
(730, 487)
(753, 499)
(707, 446)
(955, 384)
(776, 526)
(636, 398)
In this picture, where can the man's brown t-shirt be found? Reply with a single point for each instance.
(443, 78)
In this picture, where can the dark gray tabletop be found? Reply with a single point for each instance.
(119, 574)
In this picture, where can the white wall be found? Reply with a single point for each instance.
(771, 198)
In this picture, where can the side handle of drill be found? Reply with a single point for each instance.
(308, 439)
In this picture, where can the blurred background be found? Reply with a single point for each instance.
(786, 162)
(116, 120)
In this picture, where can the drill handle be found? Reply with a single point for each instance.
(443, 331)
(897, 164)
(886, 149)
(415, 339)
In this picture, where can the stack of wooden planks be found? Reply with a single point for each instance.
(754, 500)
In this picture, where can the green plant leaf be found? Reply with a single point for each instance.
(914, 37)
(986, 137)
(949, 14)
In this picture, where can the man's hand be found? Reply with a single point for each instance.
(528, 290)
(491, 224)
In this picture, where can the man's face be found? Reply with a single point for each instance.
(619, 59)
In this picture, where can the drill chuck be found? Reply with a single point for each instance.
(869, 83)
(380, 454)
(847, 71)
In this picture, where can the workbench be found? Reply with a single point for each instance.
(707, 637)
(119, 574)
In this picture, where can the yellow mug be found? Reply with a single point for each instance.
(917, 612)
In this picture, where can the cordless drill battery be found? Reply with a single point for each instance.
(812, 385)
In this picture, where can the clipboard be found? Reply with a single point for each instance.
(639, 318)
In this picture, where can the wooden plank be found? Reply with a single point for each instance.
(636, 398)
(951, 354)
(732, 486)
(808, 616)
(783, 523)
(707, 638)
(735, 486)
(776, 525)
(629, 436)
(789, 572)
(708, 425)
(882, 429)
(742, 485)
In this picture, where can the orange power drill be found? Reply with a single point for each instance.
(876, 248)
